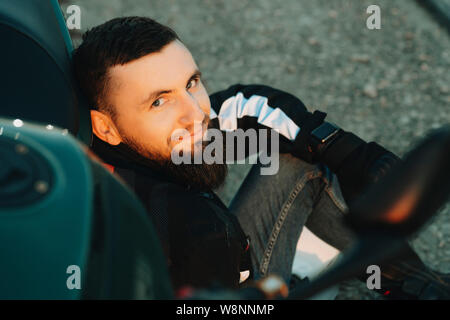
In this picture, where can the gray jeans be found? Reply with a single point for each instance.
(272, 210)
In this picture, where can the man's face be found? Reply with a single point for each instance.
(155, 96)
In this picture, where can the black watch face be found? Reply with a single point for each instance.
(323, 131)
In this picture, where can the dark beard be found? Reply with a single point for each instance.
(201, 176)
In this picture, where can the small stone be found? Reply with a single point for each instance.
(424, 86)
(383, 84)
(435, 126)
(424, 57)
(444, 88)
(409, 36)
(408, 100)
(414, 114)
(332, 14)
(383, 102)
(424, 67)
(370, 90)
(406, 78)
(290, 69)
(313, 41)
(362, 58)
(404, 120)
(349, 70)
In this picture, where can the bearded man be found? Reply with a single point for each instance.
(143, 85)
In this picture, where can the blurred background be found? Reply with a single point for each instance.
(390, 85)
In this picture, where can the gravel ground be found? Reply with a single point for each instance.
(389, 85)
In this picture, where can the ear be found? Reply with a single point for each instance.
(104, 128)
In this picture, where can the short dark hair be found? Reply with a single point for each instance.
(115, 42)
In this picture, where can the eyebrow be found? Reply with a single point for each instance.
(196, 74)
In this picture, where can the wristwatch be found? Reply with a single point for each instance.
(322, 135)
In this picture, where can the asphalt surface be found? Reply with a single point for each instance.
(390, 85)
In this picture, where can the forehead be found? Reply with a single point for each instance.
(170, 67)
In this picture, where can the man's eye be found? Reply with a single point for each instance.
(158, 102)
(192, 83)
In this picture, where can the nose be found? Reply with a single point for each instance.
(191, 110)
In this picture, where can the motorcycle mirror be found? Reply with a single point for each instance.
(401, 202)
